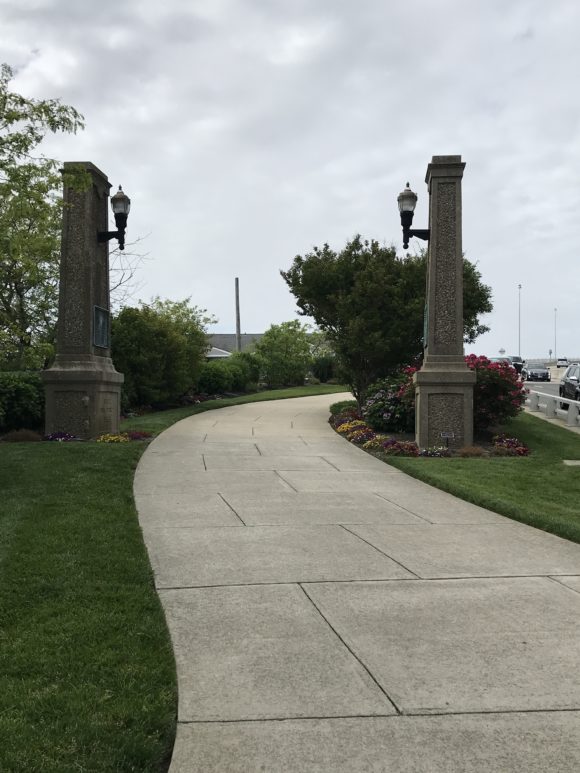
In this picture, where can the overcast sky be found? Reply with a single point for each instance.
(247, 131)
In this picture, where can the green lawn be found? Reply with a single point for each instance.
(87, 676)
(539, 490)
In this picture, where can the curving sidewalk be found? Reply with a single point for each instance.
(330, 614)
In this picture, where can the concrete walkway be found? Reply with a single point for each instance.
(330, 614)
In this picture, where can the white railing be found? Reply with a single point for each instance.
(551, 405)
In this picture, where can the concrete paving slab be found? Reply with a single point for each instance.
(265, 554)
(335, 480)
(162, 464)
(262, 651)
(179, 510)
(356, 461)
(292, 508)
(476, 550)
(496, 743)
(205, 480)
(462, 645)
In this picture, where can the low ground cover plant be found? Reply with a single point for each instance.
(345, 420)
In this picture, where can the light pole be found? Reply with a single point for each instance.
(555, 334)
(519, 320)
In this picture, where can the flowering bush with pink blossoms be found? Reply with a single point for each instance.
(498, 394)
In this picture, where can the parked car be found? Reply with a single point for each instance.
(535, 373)
(562, 362)
(570, 383)
(517, 362)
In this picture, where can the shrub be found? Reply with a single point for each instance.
(339, 407)
(390, 403)
(250, 365)
(159, 347)
(323, 367)
(21, 436)
(498, 394)
(21, 400)
(284, 354)
(215, 377)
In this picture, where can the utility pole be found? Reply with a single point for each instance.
(519, 320)
(555, 334)
(238, 328)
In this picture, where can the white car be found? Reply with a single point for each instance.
(562, 362)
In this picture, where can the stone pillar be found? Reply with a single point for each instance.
(82, 388)
(444, 385)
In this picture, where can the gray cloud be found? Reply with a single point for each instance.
(245, 132)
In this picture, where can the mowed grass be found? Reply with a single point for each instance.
(87, 675)
(538, 490)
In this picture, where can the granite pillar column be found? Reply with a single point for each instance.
(82, 388)
(444, 385)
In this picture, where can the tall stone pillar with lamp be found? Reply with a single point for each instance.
(82, 388)
(444, 384)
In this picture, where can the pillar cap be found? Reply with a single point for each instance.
(445, 166)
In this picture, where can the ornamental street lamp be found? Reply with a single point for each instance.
(407, 201)
(120, 204)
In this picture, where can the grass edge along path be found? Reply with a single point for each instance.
(538, 490)
(87, 674)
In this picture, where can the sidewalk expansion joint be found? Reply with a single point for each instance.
(352, 652)
(411, 512)
(330, 463)
(282, 478)
(393, 717)
(382, 552)
(221, 496)
(285, 583)
(554, 578)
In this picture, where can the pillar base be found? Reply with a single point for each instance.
(83, 396)
(444, 405)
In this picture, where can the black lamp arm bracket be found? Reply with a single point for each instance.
(420, 233)
(105, 236)
(119, 234)
(408, 233)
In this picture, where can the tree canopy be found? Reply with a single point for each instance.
(160, 348)
(369, 302)
(284, 354)
(30, 218)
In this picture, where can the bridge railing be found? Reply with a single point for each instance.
(552, 407)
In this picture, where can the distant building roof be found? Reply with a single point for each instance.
(227, 341)
(217, 354)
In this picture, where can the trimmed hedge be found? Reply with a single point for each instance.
(21, 400)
